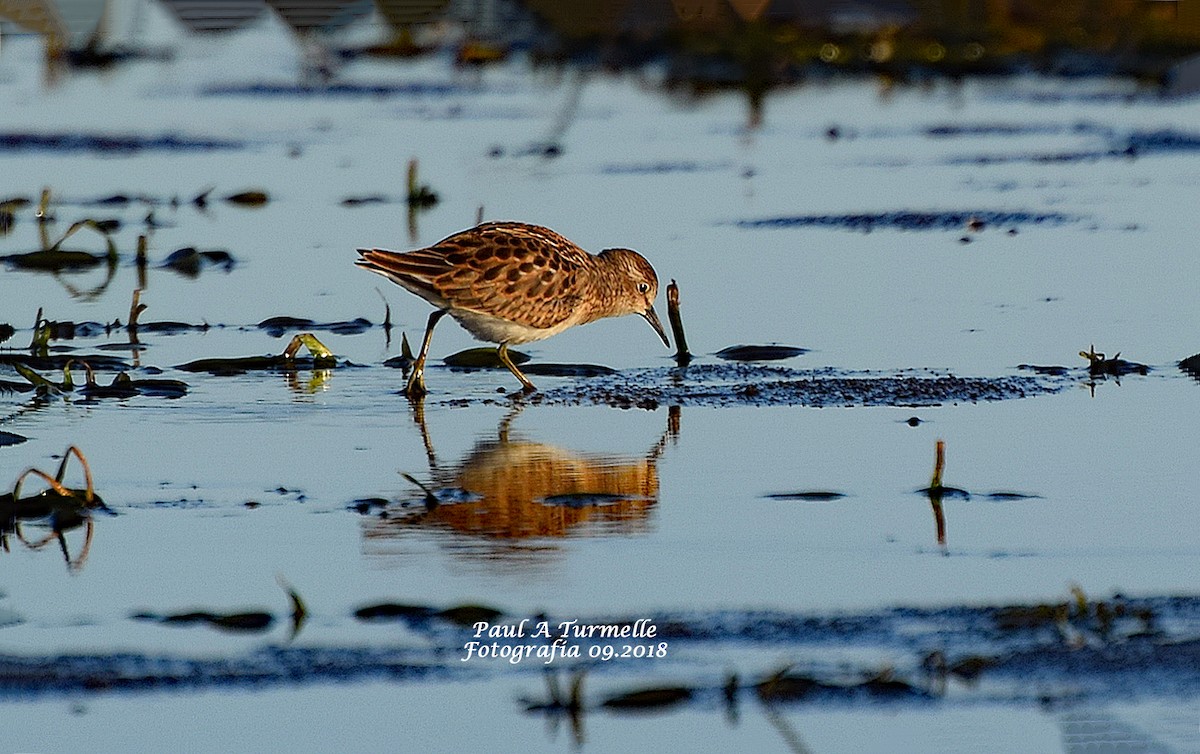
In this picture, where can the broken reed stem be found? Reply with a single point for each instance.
(682, 355)
(135, 308)
(938, 465)
(37, 326)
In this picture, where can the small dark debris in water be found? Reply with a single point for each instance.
(1007, 495)
(585, 499)
(394, 611)
(468, 615)
(1191, 365)
(545, 369)
(131, 347)
(254, 198)
(910, 220)
(359, 201)
(172, 328)
(1116, 366)
(647, 700)
(913, 421)
(945, 492)
(8, 438)
(785, 687)
(759, 353)
(55, 260)
(1055, 371)
(247, 622)
(58, 361)
(366, 505)
(964, 239)
(278, 326)
(482, 358)
(242, 364)
(664, 167)
(190, 261)
(884, 685)
(809, 496)
(9, 386)
(84, 142)
(112, 200)
(124, 386)
(336, 90)
(990, 129)
(160, 388)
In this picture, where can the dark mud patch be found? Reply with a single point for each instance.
(756, 385)
(277, 326)
(17, 141)
(954, 220)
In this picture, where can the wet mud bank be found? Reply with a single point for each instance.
(717, 385)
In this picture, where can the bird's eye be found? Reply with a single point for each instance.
(643, 287)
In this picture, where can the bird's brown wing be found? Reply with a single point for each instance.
(522, 273)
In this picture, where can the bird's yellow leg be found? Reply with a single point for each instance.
(416, 380)
(502, 352)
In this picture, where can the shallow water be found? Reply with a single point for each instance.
(254, 475)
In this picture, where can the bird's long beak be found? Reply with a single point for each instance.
(652, 317)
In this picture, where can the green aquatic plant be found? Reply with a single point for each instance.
(321, 358)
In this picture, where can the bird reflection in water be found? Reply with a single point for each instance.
(510, 494)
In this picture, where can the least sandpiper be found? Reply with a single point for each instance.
(512, 283)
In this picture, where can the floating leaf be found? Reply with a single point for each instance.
(8, 438)
(469, 615)
(254, 198)
(812, 496)
(237, 622)
(759, 353)
(394, 611)
(190, 261)
(569, 370)
(649, 699)
(482, 358)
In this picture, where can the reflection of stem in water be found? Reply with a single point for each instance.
(936, 492)
(570, 108)
(790, 737)
(140, 260)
